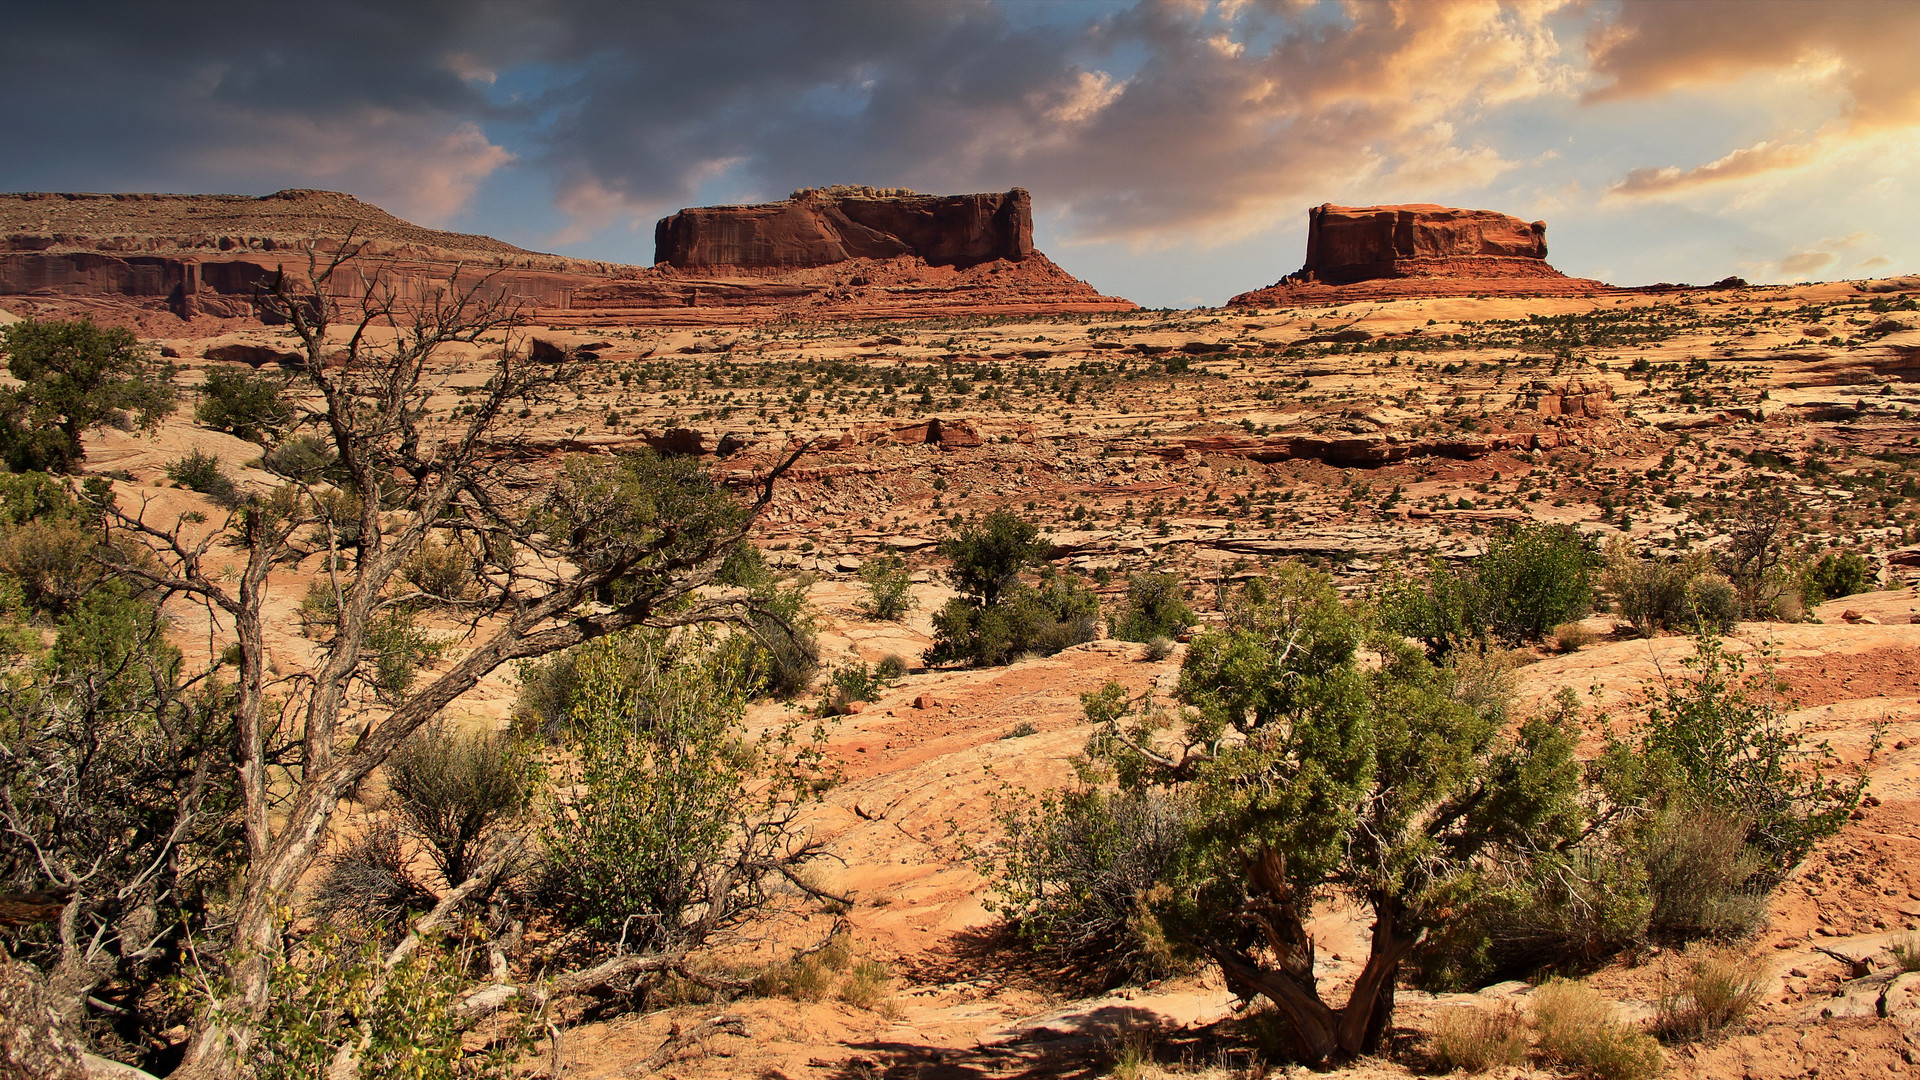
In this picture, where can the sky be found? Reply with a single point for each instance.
(1172, 148)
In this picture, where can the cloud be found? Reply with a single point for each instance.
(1859, 53)
(1802, 263)
(1754, 160)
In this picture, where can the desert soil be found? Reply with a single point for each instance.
(1359, 438)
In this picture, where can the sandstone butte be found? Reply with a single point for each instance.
(843, 253)
(1418, 250)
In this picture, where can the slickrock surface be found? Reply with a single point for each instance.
(1367, 252)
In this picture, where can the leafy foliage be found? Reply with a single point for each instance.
(1155, 608)
(248, 404)
(1531, 579)
(889, 588)
(1833, 575)
(74, 376)
(1308, 772)
(676, 823)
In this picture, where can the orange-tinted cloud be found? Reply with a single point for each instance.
(1861, 51)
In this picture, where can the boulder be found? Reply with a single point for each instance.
(255, 355)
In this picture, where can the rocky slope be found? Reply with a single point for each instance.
(1370, 252)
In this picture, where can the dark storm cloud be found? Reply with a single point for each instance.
(1162, 122)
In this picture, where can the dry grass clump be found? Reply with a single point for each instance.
(1571, 637)
(1906, 952)
(831, 973)
(1576, 1028)
(1476, 1040)
(1715, 991)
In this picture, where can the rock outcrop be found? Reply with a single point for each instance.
(843, 253)
(204, 254)
(1384, 252)
(823, 227)
(837, 253)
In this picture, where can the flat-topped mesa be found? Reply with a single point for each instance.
(1367, 252)
(843, 253)
(204, 254)
(823, 226)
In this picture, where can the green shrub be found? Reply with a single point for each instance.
(243, 403)
(442, 572)
(1155, 608)
(672, 810)
(303, 457)
(1061, 612)
(778, 649)
(1720, 738)
(889, 588)
(849, 683)
(202, 472)
(327, 993)
(1833, 575)
(1074, 874)
(1703, 877)
(1531, 579)
(74, 376)
(456, 791)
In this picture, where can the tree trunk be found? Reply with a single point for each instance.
(1323, 1035)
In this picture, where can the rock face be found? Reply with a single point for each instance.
(843, 253)
(1367, 252)
(820, 228)
(838, 253)
(204, 254)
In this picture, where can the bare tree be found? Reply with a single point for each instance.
(553, 563)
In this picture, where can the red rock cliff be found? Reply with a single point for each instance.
(820, 228)
(203, 254)
(1363, 252)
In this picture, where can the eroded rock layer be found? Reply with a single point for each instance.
(1383, 252)
(843, 254)
(204, 254)
(820, 228)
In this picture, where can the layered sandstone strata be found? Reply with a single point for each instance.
(843, 253)
(205, 254)
(1368, 252)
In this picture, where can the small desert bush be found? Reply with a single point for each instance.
(1477, 1040)
(1576, 1028)
(1571, 637)
(1833, 575)
(1906, 952)
(1715, 990)
(891, 666)
(865, 986)
(1703, 876)
(442, 572)
(1077, 871)
(247, 404)
(1159, 648)
(201, 472)
(849, 683)
(808, 978)
(302, 457)
(1155, 608)
(889, 588)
